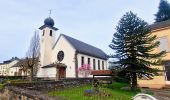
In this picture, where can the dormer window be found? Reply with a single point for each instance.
(50, 32)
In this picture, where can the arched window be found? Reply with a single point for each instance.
(51, 32)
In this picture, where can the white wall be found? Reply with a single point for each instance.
(79, 56)
(10, 70)
(46, 44)
(69, 55)
(50, 72)
(3, 69)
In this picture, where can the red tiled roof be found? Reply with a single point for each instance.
(101, 72)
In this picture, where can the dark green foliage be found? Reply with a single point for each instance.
(163, 11)
(133, 45)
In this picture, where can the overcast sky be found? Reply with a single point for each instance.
(91, 21)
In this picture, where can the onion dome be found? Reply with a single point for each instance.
(49, 21)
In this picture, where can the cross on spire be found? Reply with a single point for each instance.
(50, 12)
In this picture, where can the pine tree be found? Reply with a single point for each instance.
(163, 11)
(133, 45)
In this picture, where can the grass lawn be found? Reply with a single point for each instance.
(77, 93)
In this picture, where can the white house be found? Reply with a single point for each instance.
(69, 52)
(7, 69)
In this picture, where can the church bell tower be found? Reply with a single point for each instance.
(47, 41)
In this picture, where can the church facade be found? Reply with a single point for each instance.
(62, 58)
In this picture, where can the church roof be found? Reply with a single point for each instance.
(85, 48)
(48, 22)
(42, 27)
(160, 25)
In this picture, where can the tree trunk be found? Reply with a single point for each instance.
(133, 81)
(31, 75)
(23, 75)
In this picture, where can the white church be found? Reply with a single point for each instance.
(69, 52)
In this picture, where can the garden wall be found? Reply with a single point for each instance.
(37, 90)
(16, 93)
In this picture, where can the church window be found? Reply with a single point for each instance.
(94, 64)
(82, 60)
(50, 32)
(103, 65)
(60, 56)
(89, 61)
(43, 32)
(98, 64)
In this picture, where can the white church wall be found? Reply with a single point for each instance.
(50, 72)
(79, 57)
(69, 54)
(47, 43)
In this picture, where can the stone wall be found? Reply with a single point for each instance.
(38, 90)
(15, 93)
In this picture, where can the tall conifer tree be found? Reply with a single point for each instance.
(134, 45)
(163, 11)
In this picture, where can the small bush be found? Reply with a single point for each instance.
(121, 80)
(117, 85)
(1, 86)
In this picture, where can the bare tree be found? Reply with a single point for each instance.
(32, 55)
(23, 66)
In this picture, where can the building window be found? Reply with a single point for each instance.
(163, 44)
(167, 70)
(98, 64)
(94, 64)
(51, 32)
(103, 65)
(43, 32)
(82, 60)
(88, 61)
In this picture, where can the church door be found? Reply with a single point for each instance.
(62, 72)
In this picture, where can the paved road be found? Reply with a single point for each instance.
(161, 94)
